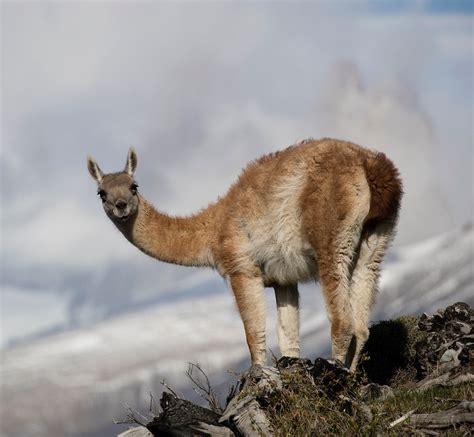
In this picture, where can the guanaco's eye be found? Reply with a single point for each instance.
(134, 188)
(102, 194)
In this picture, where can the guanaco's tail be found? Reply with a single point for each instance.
(385, 189)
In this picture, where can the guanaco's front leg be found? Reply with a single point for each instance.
(250, 298)
(287, 298)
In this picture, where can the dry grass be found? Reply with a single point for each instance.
(301, 409)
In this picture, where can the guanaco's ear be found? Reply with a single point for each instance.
(94, 169)
(131, 164)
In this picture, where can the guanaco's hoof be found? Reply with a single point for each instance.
(288, 362)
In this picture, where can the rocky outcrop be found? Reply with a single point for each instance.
(446, 355)
(439, 347)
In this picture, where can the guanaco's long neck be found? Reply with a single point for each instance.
(177, 240)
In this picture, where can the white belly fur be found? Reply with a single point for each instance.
(286, 264)
(276, 241)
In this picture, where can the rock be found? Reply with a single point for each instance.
(292, 362)
(464, 328)
(459, 311)
(450, 355)
(264, 378)
(329, 375)
(244, 412)
(449, 342)
(373, 392)
(449, 360)
(446, 357)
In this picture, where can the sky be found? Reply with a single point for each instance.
(199, 89)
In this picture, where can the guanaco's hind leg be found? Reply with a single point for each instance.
(334, 231)
(250, 298)
(287, 299)
(363, 284)
(334, 261)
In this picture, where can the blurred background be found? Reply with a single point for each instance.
(89, 323)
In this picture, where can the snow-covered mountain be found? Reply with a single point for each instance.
(76, 383)
(427, 275)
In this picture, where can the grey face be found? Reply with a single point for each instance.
(118, 192)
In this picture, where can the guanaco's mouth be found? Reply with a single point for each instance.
(123, 218)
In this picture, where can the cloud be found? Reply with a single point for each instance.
(64, 235)
(387, 116)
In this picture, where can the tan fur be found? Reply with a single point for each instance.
(320, 210)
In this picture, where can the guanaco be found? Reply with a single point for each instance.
(322, 210)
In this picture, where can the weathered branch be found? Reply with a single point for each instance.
(183, 418)
(401, 419)
(462, 413)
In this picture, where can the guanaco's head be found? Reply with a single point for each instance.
(118, 191)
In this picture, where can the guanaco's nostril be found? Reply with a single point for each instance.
(120, 204)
